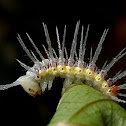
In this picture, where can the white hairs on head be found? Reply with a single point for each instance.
(29, 85)
(3, 87)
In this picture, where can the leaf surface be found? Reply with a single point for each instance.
(83, 105)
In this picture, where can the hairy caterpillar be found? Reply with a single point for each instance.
(73, 68)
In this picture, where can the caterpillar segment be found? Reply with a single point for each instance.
(71, 67)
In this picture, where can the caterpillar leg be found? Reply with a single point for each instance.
(67, 82)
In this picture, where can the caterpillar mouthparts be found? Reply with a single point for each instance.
(73, 68)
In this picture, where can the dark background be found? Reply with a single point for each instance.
(20, 16)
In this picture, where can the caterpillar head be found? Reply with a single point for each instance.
(30, 85)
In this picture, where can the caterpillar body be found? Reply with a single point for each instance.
(73, 68)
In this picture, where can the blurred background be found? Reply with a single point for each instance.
(21, 16)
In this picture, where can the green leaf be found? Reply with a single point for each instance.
(83, 105)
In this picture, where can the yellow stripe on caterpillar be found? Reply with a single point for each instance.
(43, 73)
(97, 77)
(61, 70)
(52, 71)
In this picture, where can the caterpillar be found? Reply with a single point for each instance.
(72, 68)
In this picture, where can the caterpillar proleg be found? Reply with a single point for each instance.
(71, 67)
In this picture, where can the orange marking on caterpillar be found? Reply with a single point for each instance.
(114, 90)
